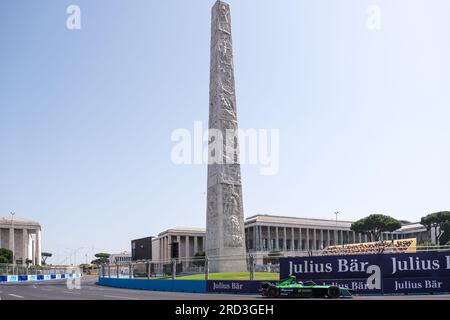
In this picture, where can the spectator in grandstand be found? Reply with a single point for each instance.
(367, 248)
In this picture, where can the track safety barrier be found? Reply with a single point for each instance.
(38, 277)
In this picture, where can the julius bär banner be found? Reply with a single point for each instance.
(427, 272)
(361, 273)
(235, 287)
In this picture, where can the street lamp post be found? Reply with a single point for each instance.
(337, 240)
(73, 253)
(76, 252)
(336, 213)
(13, 240)
(69, 255)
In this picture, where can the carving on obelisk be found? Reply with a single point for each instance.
(225, 235)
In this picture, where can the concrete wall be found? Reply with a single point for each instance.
(196, 286)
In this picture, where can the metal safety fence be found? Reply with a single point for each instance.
(257, 265)
(16, 269)
(185, 268)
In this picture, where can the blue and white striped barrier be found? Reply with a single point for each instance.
(12, 278)
(38, 277)
(32, 277)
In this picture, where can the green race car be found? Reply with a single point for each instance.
(293, 288)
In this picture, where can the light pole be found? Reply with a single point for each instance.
(13, 240)
(69, 255)
(87, 252)
(342, 232)
(74, 253)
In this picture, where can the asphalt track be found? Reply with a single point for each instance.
(88, 290)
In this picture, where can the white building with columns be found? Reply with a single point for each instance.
(285, 236)
(288, 235)
(188, 242)
(23, 237)
(118, 258)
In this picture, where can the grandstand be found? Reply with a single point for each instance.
(386, 246)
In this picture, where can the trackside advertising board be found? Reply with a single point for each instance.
(426, 272)
(234, 287)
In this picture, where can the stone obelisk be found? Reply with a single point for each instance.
(225, 238)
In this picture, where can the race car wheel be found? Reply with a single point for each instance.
(333, 292)
(273, 292)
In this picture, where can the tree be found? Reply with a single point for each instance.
(45, 256)
(445, 238)
(439, 221)
(101, 258)
(28, 262)
(375, 224)
(199, 259)
(6, 256)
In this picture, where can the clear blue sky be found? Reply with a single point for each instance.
(86, 116)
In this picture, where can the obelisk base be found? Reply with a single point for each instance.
(228, 262)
